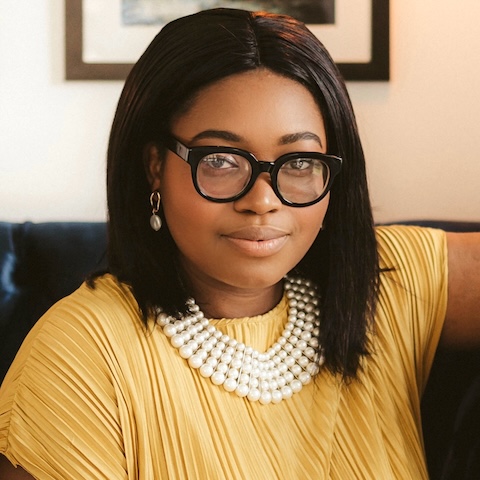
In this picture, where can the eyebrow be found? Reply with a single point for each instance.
(220, 134)
(233, 137)
(295, 137)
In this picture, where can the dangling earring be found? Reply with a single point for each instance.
(155, 220)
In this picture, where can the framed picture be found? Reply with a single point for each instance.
(104, 38)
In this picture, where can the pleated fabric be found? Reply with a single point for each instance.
(93, 395)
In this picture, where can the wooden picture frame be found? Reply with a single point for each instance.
(377, 68)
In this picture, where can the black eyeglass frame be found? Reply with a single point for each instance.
(193, 156)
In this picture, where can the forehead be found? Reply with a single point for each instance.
(251, 104)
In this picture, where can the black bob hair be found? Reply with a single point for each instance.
(187, 55)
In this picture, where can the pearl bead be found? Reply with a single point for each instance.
(287, 391)
(221, 367)
(296, 353)
(247, 368)
(254, 395)
(265, 398)
(282, 368)
(226, 358)
(264, 385)
(186, 351)
(207, 345)
(218, 378)
(216, 352)
(212, 361)
(236, 363)
(230, 384)
(202, 353)
(162, 319)
(290, 362)
(169, 330)
(303, 361)
(308, 326)
(302, 344)
(312, 369)
(276, 396)
(309, 352)
(206, 370)
(296, 385)
(304, 377)
(177, 340)
(242, 390)
(306, 336)
(179, 325)
(296, 370)
(195, 361)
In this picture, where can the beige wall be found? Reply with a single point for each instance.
(420, 130)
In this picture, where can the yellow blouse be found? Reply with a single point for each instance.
(91, 395)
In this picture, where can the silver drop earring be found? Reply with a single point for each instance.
(155, 220)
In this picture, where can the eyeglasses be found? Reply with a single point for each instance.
(225, 174)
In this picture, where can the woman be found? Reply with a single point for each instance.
(236, 178)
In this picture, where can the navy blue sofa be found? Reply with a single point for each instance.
(41, 263)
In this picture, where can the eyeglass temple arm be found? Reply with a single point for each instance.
(178, 148)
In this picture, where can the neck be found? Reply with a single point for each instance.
(221, 300)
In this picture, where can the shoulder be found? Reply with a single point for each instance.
(413, 255)
(406, 243)
(413, 293)
(66, 378)
(91, 325)
(415, 260)
(106, 302)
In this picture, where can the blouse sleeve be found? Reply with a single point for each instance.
(59, 414)
(413, 296)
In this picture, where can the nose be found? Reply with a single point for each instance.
(260, 199)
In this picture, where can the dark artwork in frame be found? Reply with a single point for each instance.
(138, 13)
(148, 12)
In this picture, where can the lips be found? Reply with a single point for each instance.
(258, 241)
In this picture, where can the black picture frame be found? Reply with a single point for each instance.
(377, 69)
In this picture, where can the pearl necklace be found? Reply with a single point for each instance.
(272, 376)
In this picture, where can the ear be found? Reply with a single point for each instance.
(153, 165)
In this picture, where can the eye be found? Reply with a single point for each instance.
(219, 161)
(300, 164)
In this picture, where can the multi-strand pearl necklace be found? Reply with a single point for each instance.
(272, 376)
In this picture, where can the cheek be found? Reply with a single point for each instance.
(187, 214)
(311, 219)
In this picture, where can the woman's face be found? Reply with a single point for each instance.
(254, 241)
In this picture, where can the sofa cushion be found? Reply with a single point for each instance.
(39, 264)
